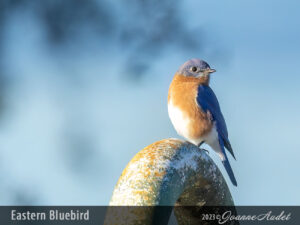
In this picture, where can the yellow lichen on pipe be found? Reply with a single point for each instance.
(167, 173)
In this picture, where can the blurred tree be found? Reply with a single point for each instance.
(144, 28)
(137, 32)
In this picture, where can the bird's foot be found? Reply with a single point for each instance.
(200, 143)
(205, 150)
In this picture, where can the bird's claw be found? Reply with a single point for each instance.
(199, 145)
(205, 150)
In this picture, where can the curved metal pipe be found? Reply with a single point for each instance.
(167, 173)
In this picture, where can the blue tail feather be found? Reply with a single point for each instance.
(227, 164)
(229, 171)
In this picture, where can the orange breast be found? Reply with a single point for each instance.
(183, 93)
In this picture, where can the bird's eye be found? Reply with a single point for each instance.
(194, 68)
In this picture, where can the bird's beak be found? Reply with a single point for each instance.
(211, 70)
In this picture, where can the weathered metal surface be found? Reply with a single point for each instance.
(167, 173)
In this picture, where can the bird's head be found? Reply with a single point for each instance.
(196, 68)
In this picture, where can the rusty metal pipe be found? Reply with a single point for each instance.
(167, 173)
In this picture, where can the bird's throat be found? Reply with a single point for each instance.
(203, 79)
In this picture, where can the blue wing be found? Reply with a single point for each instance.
(208, 101)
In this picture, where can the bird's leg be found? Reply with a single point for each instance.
(205, 150)
(199, 145)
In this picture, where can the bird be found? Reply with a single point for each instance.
(195, 112)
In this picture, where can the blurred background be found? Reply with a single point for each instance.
(83, 88)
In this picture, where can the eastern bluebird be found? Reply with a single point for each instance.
(195, 112)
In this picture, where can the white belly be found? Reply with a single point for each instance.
(181, 124)
(179, 120)
(212, 139)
